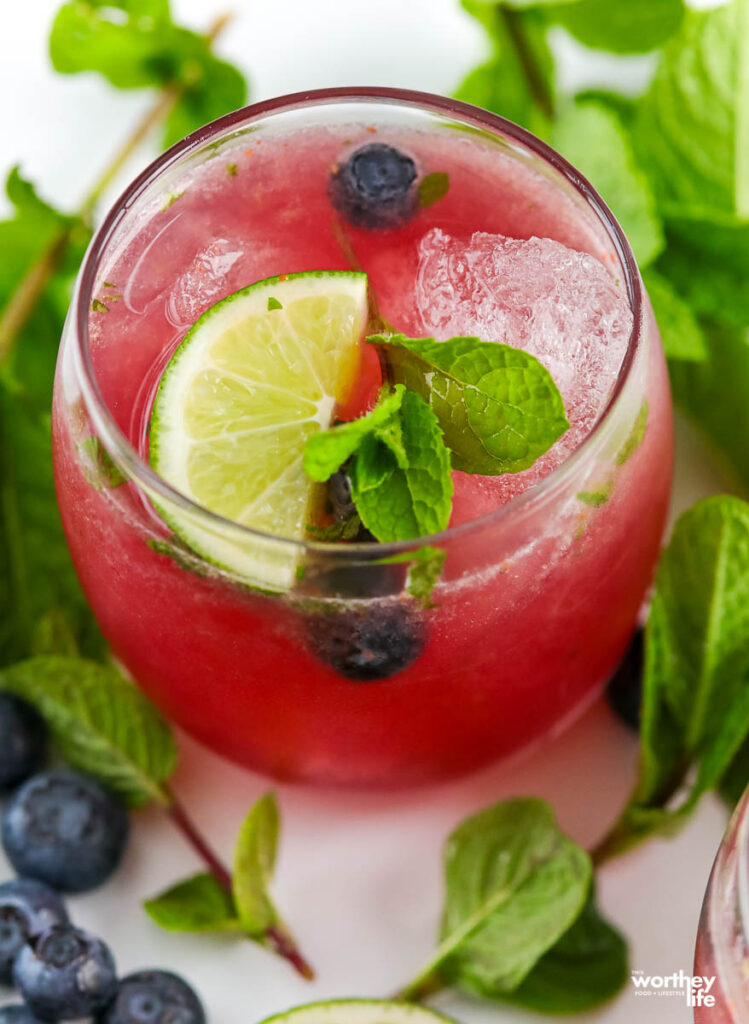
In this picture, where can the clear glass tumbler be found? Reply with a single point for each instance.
(538, 598)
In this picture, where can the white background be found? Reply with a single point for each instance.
(359, 877)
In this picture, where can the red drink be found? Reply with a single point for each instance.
(539, 594)
(722, 953)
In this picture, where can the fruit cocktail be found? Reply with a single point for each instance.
(346, 661)
(722, 951)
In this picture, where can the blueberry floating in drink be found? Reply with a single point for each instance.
(375, 187)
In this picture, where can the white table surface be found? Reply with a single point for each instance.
(359, 877)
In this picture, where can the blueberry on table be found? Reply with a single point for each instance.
(23, 741)
(65, 974)
(18, 1013)
(27, 908)
(368, 644)
(154, 997)
(66, 830)
(624, 690)
(374, 188)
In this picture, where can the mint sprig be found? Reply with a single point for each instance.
(498, 406)
(520, 921)
(397, 462)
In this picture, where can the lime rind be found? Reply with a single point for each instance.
(249, 383)
(359, 1011)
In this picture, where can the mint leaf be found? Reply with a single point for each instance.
(398, 465)
(254, 864)
(36, 573)
(137, 45)
(101, 722)
(199, 904)
(707, 260)
(502, 83)
(691, 129)
(695, 712)
(514, 885)
(498, 406)
(424, 572)
(716, 394)
(101, 472)
(736, 779)
(54, 634)
(634, 26)
(586, 967)
(635, 436)
(433, 187)
(326, 452)
(596, 142)
(346, 529)
(682, 335)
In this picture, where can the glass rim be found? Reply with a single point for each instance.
(138, 470)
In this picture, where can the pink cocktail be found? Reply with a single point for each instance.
(722, 952)
(545, 571)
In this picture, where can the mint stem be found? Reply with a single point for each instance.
(23, 301)
(184, 824)
(275, 938)
(420, 988)
(512, 20)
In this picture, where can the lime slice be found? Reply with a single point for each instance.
(259, 373)
(359, 1011)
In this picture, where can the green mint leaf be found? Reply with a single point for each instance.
(501, 83)
(735, 780)
(101, 722)
(254, 864)
(54, 634)
(514, 885)
(716, 394)
(273, 303)
(433, 187)
(398, 465)
(137, 45)
(707, 260)
(199, 904)
(498, 406)
(101, 471)
(36, 572)
(622, 107)
(425, 567)
(326, 452)
(597, 498)
(682, 335)
(635, 437)
(586, 967)
(635, 26)
(347, 529)
(695, 711)
(597, 143)
(691, 129)
(424, 572)
(400, 479)
(127, 43)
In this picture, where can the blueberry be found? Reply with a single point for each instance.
(66, 830)
(339, 498)
(23, 741)
(17, 1014)
(624, 690)
(27, 908)
(154, 997)
(66, 974)
(373, 188)
(368, 644)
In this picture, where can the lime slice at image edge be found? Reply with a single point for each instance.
(359, 1011)
(254, 377)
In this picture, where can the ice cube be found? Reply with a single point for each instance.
(560, 304)
(207, 279)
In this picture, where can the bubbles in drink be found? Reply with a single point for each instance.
(203, 282)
